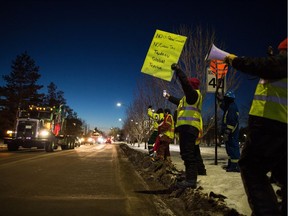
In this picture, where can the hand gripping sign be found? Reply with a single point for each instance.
(165, 49)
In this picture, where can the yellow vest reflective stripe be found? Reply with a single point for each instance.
(170, 132)
(190, 114)
(270, 100)
(200, 135)
(233, 128)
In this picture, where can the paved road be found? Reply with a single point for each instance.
(89, 180)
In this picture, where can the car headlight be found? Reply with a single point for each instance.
(90, 139)
(44, 133)
(100, 139)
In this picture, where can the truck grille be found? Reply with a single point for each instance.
(26, 129)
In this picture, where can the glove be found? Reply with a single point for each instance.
(165, 94)
(174, 66)
(225, 137)
(150, 107)
(229, 58)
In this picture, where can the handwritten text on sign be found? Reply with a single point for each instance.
(165, 49)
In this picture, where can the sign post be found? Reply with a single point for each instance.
(216, 81)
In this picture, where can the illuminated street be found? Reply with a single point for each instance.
(88, 180)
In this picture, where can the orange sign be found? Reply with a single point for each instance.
(218, 68)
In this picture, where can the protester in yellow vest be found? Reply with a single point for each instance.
(157, 118)
(166, 136)
(188, 126)
(266, 147)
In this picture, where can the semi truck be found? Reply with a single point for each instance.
(43, 128)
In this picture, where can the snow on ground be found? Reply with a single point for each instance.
(217, 180)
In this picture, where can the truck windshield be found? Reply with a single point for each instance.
(40, 115)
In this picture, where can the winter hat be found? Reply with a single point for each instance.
(194, 82)
(283, 45)
(160, 110)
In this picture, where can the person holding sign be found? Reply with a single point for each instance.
(157, 118)
(188, 125)
(266, 147)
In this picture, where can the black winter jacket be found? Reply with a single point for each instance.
(272, 67)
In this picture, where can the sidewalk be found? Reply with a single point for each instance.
(217, 180)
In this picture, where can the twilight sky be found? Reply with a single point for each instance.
(94, 51)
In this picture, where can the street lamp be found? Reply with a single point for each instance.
(119, 104)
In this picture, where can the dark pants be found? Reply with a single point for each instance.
(151, 141)
(190, 152)
(233, 148)
(264, 151)
(164, 149)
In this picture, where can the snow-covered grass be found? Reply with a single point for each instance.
(217, 180)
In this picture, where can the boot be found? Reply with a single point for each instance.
(233, 168)
(186, 184)
(227, 166)
(202, 171)
(191, 177)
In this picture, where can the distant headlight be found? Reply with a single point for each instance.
(82, 139)
(44, 133)
(90, 139)
(101, 140)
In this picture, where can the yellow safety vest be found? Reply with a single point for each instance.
(156, 117)
(270, 100)
(200, 135)
(170, 132)
(190, 114)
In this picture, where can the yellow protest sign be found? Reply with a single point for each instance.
(165, 49)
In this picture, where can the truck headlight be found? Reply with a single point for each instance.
(9, 133)
(44, 133)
